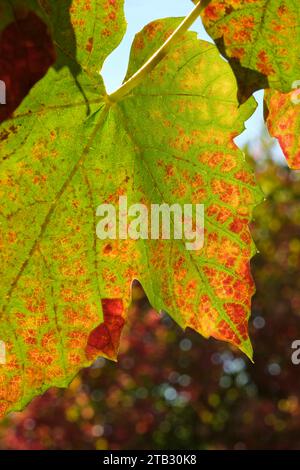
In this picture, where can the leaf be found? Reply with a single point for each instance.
(26, 53)
(170, 140)
(260, 38)
(283, 120)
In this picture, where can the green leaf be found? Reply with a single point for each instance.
(170, 140)
(261, 40)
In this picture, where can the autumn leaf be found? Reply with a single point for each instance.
(260, 38)
(69, 148)
(26, 53)
(283, 120)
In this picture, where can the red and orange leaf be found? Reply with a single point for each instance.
(105, 338)
(260, 38)
(283, 120)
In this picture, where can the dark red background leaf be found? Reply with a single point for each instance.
(106, 337)
(26, 53)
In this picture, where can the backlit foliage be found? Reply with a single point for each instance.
(66, 147)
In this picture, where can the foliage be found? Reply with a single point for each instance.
(167, 136)
(176, 390)
(283, 121)
(260, 39)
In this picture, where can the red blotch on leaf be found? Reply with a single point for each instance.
(106, 337)
(26, 53)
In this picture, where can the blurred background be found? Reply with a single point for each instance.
(176, 390)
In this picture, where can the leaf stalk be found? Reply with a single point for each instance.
(156, 58)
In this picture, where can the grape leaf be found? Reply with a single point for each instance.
(65, 292)
(26, 53)
(260, 39)
(282, 112)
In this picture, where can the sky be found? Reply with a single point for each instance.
(141, 12)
